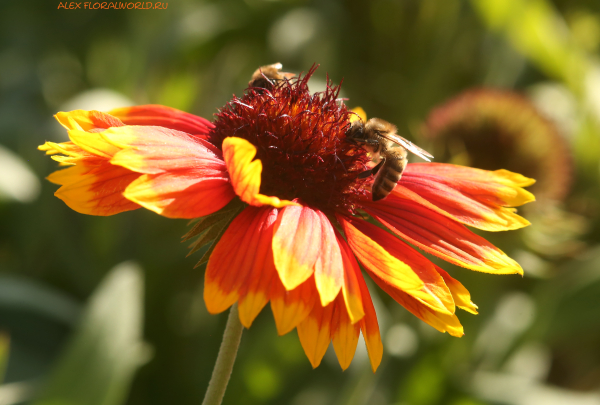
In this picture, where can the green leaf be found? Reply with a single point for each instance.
(99, 363)
(537, 30)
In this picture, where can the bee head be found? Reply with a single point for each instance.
(356, 130)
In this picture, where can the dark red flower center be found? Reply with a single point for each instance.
(301, 140)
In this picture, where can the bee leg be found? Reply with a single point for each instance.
(376, 168)
(361, 141)
(372, 171)
(365, 174)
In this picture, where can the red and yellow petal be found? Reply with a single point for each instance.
(95, 189)
(458, 206)
(66, 148)
(93, 143)
(245, 173)
(154, 150)
(432, 291)
(255, 294)
(167, 117)
(456, 175)
(68, 154)
(86, 121)
(369, 326)
(344, 334)
(291, 307)
(351, 289)
(376, 259)
(315, 333)
(479, 198)
(182, 194)
(443, 322)
(329, 267)
(250, 233)
(296, 244)
(461, 296)
(333, 322)
(386, 264)
(443, 237)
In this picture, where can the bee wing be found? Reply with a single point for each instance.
(408, 145)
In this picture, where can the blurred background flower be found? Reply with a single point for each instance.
(491, 128)
(536, 340)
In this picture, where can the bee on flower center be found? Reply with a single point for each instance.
(268, 76)
(387, 149)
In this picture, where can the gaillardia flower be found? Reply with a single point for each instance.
(276, 185)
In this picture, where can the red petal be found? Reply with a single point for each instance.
(180, 194)
(443, 237)
(162, 116)
(238, 261)
(475, 197)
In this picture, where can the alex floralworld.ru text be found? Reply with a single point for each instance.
(113, 5)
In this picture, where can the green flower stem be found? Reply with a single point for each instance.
(227, 353)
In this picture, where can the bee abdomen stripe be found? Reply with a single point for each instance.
(393, 175)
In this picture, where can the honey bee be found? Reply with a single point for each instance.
(388, 149)
(268, 76)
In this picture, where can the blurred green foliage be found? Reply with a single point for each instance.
(103, 354)
(536, 338)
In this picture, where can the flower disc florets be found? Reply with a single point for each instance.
(301, 140)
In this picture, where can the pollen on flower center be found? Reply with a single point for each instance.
(300, 139)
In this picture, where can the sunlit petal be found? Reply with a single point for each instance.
(83, 120)
(296, 244)
(95, 190)
(329, 267)
(245, 173)
(401, 263)
(153, 150)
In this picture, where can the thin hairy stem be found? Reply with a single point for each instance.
(225, 359)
